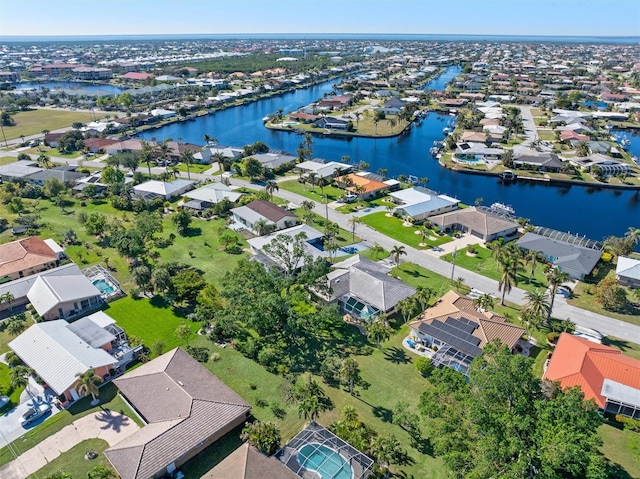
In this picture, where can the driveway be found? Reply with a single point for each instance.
(111, 426)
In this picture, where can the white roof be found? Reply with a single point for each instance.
(628, 267)
(214, 193)
(57, 355)
(616, 391)
(20, 287)
(55, 247)
(162, 188)
(48, 292)
(322, 169)
(101, 318)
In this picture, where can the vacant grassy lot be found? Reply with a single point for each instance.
(73, 461)
(622, 448)
(35, 121)
(393, 227)
(149, 319)
(313, 193)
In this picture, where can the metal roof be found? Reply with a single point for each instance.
(48, 292)
(20, 287)
(91, 333)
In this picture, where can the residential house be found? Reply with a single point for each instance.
(206, 156)
(548, 162)
(331, 123)
(152, 189)
(273, 160)
(392, 107)
(321, 169)
(476, 151)
(25, 257)
(99, 145)
(473, 137)
(93, 342)
(92, 73)
(52, 139)
(303, 117)
(603, 373)
(63, 296)
(261, 210)
(66, 174)
(458, 331)
(420, 203)
(185, 409)
(209, 195)
(608, 166)
(247, 462)
(364, 289)
(628, 272)
(577, 261)
(361, 186)
(334, 102)
(481, 223)
(18, 170)
(137, 77)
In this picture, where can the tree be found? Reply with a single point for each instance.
(182, 220)
(16, 326)
(423, 296)
(101, 472)
(146, 154)
(264, 436)
(349, 373)
(537, 307)
(112, 176)
(290, 253)
(270, 187)
(556, 278)
(20, 377)
(44, 162)
(129, 243)
(510, 266)
(407, 308)
(183, 332)
(500, 423)
(187, 158)
(252, 168)
(354, 221)
(378, 331)
(7, 298)
(16, 205)
(88, 383)
(158, 347)
(187, 283)
(308, 395)
(376, 250)
(95, 224)
(53, 187)
(484, 302)
(531, 259)
(610, 294)
(161, 279)
(396, 252)
(142, 277)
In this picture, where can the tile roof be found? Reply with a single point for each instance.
(579, 362)
(247, 462)
(480, 221)
(185, 406)
(268, 210)
(23, 254)
(368, 184)
(490, 326)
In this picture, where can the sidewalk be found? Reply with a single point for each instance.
(111, 426)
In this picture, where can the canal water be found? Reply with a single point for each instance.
(590, 211)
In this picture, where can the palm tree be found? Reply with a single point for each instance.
(396, 252)
(484, 302)
(208, 139)
(537, 306)
(423, 296)
(354, 221)
(20, 377)
(146, 154)
(7, 298)
(312, 178)
(261, 227)
(378, 331)
(376, 120)
(359, 189)
(219, 156)
(187, 158)
(270, 187)
(88, 384)
(376, 250)
(531, 260)
(43, 162)
(307, 205)
(556, 278)
(407, 307)
(510, 266)
(16, 326)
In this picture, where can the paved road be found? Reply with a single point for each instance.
(581, 317)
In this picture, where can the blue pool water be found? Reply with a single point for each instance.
(325, 461)
(103, 286)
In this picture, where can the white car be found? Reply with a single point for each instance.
(34, 413)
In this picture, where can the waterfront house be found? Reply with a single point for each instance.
(548, 162)
(364, 289)
(577, 261)
(137, 77)
(152, 189)
(458, 331)
(392, 107)
(473, 137)
(261, 210)
(331, 123)
(362, 185)
(25, 257)
(93, 342)
(273, 160)
(608, 165)
(322, 170)
(420, 203)
(334, 102)
(481, 223)
(603, 373)
(628, 272)
(185, 409)
(476, 152)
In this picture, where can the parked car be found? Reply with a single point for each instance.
(34, 413)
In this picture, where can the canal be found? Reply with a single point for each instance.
(590, 211)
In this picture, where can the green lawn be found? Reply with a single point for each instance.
(414, 275)
(485, 265)
(5, 160)
(109, 399)
(313, 193)
(149, 319)
(546, 135)
(622, 448)
(35, 121)
(393, 227)
(7, 389)
(45, 150)
(73, 461)
(194, 167)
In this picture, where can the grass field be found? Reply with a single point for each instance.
(622, 448)
(7, 389)
(35, 121)
(315, 194)
(393, 227)
(45, 150)
(73, 461)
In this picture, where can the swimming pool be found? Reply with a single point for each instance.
(103, 286)
(325, 461)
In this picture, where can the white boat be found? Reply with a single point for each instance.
(503, 209)
(507, 175)
(266, 119)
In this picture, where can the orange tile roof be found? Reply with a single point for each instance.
(490, 325)
(23, 254)
(579, 362)
(368, 184)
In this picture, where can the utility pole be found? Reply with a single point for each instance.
(326, 208)
(453, 267)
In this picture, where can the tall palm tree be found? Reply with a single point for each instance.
(219, 156)
(378, 331)
(531, 259)
(510, 266)
(423, 296)
(354, 221)
(187, 158)
(484, 302)
(208, 139)
(396, 252)
(407, 307)
(556, 278)
(537, 306)
(307, 205)
(312, 178)
(20, 377)
(270, 187)
(376, 250)
(146, 154)
(88, 384)
(261, 227)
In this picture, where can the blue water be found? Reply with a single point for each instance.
(103, 286)
(67, 85)
(324, 460)
(591, 211)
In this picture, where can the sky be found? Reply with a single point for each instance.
(479, 17)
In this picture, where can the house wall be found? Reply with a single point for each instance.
(630, 282)
(69, 308)
(33, 270)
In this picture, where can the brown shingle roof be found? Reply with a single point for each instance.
(23, 254)
(185, 405)
(473, 219)
(247, 462)
(490, 325)
(269, 210)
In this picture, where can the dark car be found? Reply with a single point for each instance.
(34, 413)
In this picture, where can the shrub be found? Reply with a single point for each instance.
(261, 402)
(424, 366)
(215, 357)
(553, 336)
(628, 423)
(200, 354)
(12, 359)
(607, 257)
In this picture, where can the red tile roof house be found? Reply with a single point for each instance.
(185, 408)
(137, 76)
(604, 374)
(25, 257)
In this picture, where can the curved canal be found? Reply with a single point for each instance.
(590, 211)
